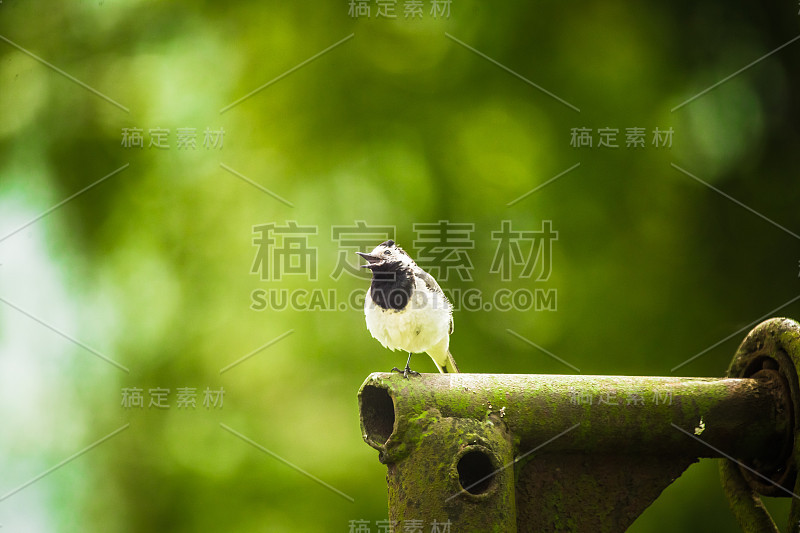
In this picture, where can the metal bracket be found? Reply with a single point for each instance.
(503, 452)
(771, 350)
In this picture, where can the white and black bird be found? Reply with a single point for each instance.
(406, 309)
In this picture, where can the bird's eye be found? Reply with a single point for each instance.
(387, 252)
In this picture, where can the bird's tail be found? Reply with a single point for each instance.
(450, 366)
(440, 353)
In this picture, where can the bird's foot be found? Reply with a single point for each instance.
(406, 372)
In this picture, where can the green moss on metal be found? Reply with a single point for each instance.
(609, 461)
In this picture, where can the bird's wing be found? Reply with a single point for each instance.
(431, 283)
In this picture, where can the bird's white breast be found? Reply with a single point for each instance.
(417, 327)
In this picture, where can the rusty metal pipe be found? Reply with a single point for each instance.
(493, 452)
(744, 418)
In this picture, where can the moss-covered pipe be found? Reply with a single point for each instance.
(618, 414)
(491, 452)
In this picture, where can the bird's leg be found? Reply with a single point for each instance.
(407, 371)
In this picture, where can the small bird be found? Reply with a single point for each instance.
(406, 309)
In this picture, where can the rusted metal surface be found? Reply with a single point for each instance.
(619, 414)
(771, 349)
(427, 484)
(567, 453)
(588, 492)
(745, 503)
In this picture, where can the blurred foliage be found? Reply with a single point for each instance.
(398, 125)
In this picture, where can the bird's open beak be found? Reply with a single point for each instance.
(371, 259)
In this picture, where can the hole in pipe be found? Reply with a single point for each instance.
(377, 413)
(475, 472)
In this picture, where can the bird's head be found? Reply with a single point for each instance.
(386, 256)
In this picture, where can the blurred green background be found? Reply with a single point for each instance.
(398, 125)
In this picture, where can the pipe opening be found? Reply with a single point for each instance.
(377, 413)
(476, 473)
